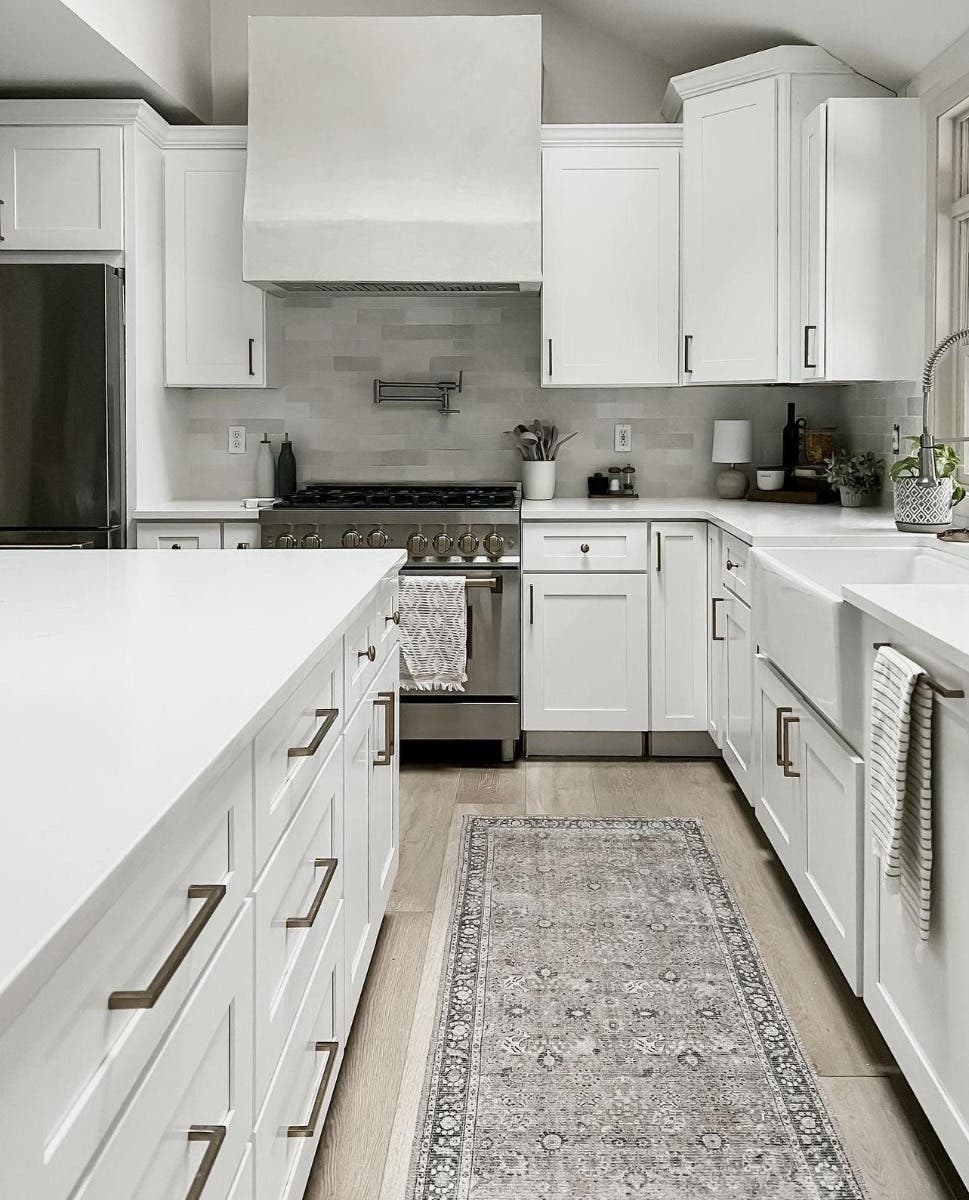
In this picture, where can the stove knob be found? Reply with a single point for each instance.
(417, 545)
(494, 543)
(442, 543)
(377, 539)
(311, 541)
(285, 541)
(467, 544)
(351, 538)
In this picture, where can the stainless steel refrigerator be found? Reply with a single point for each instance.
(61, 405)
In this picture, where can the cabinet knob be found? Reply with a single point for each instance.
(175, 546)
(584, 547)
(370, 652)
(394, 616)
(732, 566)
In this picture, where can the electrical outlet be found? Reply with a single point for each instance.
(237, 439)
(624, 438)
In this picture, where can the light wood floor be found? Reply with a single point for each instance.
(371, 1120)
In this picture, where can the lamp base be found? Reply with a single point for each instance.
(732, 484)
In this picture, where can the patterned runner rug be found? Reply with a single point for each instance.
(606, 1028)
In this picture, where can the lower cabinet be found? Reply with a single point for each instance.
(716, 642)
(737, 740)
(584, 652)
(678, 626)
(197, 535)
(810, 802)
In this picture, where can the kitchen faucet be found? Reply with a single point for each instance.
(928, 476)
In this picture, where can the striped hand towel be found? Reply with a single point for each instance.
(433, 633)
(900, 788)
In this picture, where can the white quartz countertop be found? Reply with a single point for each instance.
(936, 613)
(127, 677)
(753, 522)
(195, 510)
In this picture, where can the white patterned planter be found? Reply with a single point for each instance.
(923, 509)
(851, 497)
(538, 480)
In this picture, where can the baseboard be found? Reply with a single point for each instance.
(583, 744)
(690, 744)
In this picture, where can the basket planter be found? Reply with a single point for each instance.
(921, 509)
(538, 480)
(851, 497)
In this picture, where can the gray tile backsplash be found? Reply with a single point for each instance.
(334, 348)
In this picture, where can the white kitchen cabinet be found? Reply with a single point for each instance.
(738, 739)
(219, 331)
(809, 800)
(384, 832)
(179, 535)
(742, 207)
(610, 253)
(861, 240)
(716, 643)
(61, 187)
(678, 626)
(584, 652)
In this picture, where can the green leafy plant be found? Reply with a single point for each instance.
(538, 442)
(855, 472)
(947, 462)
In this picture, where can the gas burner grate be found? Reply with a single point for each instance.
(322, 495)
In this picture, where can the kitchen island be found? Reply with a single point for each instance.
(187, 744)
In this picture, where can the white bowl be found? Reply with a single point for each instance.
(770, 479)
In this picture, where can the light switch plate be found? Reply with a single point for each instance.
(237, 439)
(623, 438)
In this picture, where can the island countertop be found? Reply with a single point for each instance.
(130, 678)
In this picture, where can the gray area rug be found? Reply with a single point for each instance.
(606, 1028)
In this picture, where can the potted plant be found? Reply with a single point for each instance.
(854, 475)
(926, 509)
(538, 444)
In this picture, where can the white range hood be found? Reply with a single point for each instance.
(394, 154)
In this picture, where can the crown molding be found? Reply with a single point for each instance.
(86, 112)
(781, 60)
(612, 135)
(209, 137)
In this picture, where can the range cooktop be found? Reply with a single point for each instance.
(403, 496)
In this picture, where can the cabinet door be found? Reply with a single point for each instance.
(360, 928)
(384, 788)
(584, 653)
(716, 645)
(216, 326)
(832, 786)
(810, 362)
(738, 741)
(610, 295)
(61, 187)
(173, 535)
(730, 234)
(678, 626)
(776, 795)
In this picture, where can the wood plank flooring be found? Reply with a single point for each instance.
(366, 1144)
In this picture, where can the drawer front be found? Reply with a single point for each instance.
(283, 778)
(70, 1061)
(188, 535)
(238, 534)
(296, 899)
(190, 1118)
(288, 1128)
(734, 566)
(585, 546)
(386, 627)
(361, 659)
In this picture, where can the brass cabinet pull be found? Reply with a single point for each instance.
(550, 358)
(394, 616)
(2, 238)
(714, 636)
(786, 723)
(777, 734)
(531, 604)
(329, 715)
(659, 552)
(213, 894)
(388, 702)
(731, 566)
(309, 1129)
(370, 652)
(688, 354)
(807, 336)
(215, 1136)
(252, 343)
(306, 922)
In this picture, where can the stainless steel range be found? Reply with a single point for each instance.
(473, 529)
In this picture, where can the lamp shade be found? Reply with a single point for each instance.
(732, 442)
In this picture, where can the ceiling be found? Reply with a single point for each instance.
(889, 40)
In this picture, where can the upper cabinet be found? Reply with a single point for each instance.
(742, 208)
(610, 232)
(861, 241)
(219, 331)
(61, 187)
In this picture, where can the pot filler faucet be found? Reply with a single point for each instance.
(928, 476)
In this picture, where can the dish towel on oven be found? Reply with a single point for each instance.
(901, 780)
(433, 633)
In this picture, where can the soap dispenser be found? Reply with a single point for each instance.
(265, 469)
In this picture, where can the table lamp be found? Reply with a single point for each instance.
(732, 443)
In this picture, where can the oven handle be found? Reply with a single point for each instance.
(494, 584)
